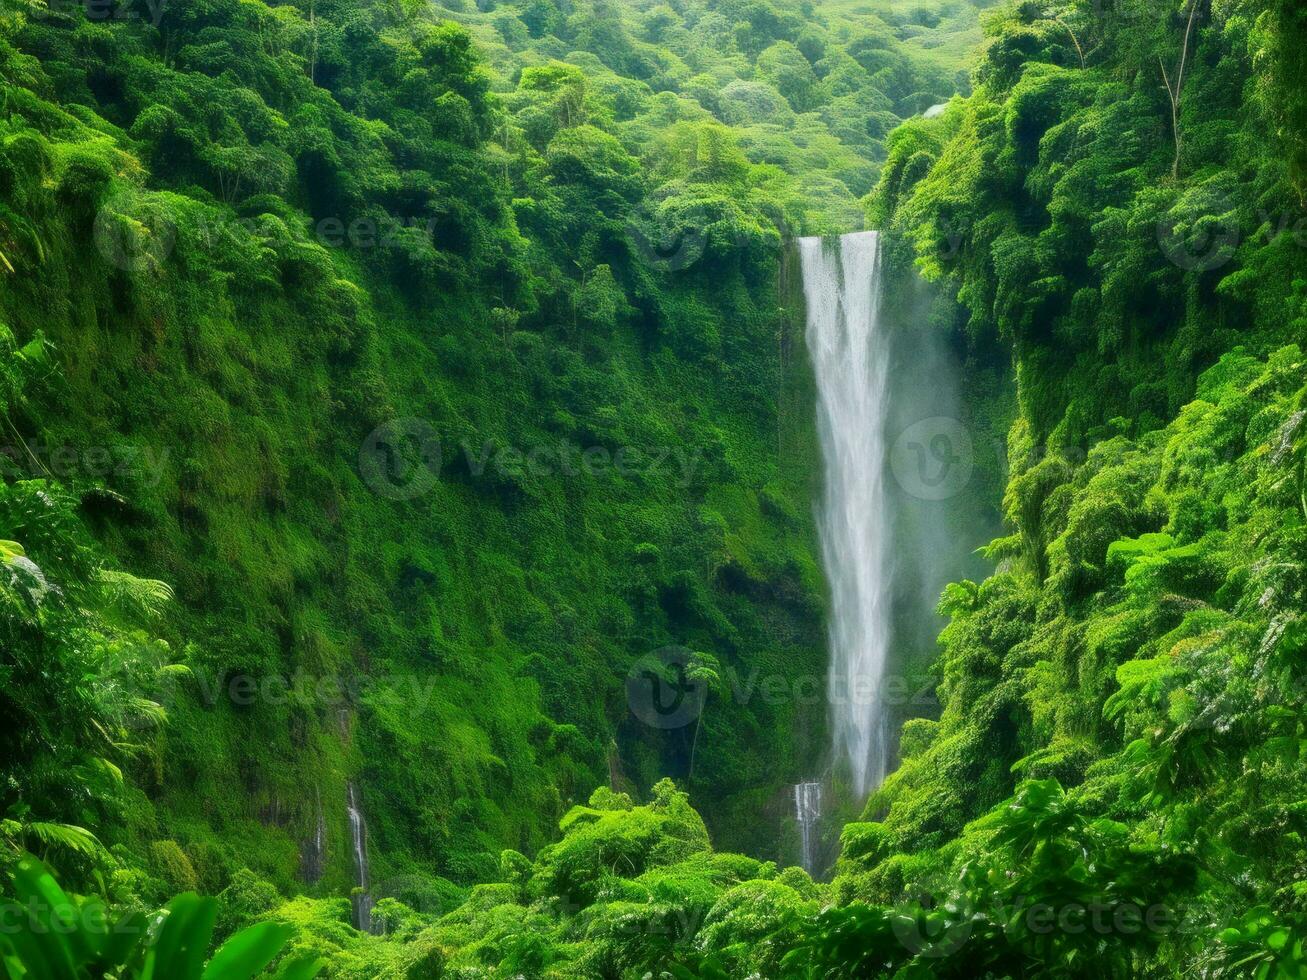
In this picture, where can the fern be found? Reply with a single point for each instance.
(65, 835)
(141, 597)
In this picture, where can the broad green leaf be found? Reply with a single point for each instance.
(44, 943)
(248, 952)
(179, 950)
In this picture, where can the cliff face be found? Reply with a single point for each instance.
(428, 466)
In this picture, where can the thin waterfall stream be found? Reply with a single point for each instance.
(850, 360)
(807, 811)
(358, 832)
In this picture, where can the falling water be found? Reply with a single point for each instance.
(358, 832)
(320, 841)
(850, 360)
(807, 810)
(314, 858)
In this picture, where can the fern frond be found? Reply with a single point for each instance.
(65, 835)
(143, 597)
(148, 712)
(105, 766)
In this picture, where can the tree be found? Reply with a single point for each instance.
(786, 68)
(705, 670)
(1176, 90)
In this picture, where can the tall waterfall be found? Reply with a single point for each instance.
(850, 359)
(358, 832)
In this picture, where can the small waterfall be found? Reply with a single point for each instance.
(358, 832)
(320, 841)
(313, 860)
(850, 360)
(807, 810)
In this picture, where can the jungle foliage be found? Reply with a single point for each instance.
(258, 261)
(1134, 663)
(250, 253)
(238, 240)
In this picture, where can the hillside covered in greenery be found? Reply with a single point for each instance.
(382, 381)
(320, 233)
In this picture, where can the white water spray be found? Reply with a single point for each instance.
(850, 360)
(807, 811)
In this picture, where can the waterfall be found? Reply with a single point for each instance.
(358, 832)
(807, 810)
(314, 858)
(850, 361)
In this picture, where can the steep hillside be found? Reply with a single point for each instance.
(433, 375)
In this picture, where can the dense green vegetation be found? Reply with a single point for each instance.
(446, 355)
(1139, 642)
(313, 224)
